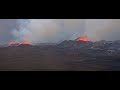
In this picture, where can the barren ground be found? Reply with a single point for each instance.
(55, 59)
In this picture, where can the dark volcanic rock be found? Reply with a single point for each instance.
(75, 44)
(68, 55)
(106, 45)
(24, 45)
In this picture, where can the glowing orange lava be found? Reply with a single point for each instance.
(19, 43)
(11, 43)
(26, 42)
(82, 38)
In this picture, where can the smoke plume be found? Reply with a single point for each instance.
(103, 29)
(56, 30)
(49, 30)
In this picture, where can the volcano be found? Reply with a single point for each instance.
(19, 43)
(69, 55)
(12, 43)
(82, 38)
(26, 42)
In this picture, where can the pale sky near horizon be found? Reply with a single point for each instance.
(48, 30)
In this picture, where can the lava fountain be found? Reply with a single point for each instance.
(11, 43)
(19, 43)
(82, 38)
(25, 42)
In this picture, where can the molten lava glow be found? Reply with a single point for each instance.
(83, 38)
(11, 43)
(26, 42)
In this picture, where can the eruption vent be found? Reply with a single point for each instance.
(11, 43)
(27, 43)
(19, 43)
(82, 38)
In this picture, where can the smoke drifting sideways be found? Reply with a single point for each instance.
(57, 30)
(103, 29)
(48, 30)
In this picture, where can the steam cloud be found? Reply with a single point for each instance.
(103, 29)
(49, 30)
(56, 30)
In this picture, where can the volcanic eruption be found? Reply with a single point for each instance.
(19, 43)
(82, 38)
(26, 42)
(11, 43)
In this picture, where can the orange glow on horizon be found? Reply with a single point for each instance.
(82, 38)
(19, 43)
(11, 43)
(26, 42)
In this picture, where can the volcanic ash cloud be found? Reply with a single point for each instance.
(57, 30)
(103, 29)
(50, 30)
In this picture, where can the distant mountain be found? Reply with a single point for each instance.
(75, 44)
(105, 45)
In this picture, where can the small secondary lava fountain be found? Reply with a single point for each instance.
(12, 43)
(19, 43)
(26, 42)
(82, 38)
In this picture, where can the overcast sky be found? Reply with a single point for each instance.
(6, 27)
(56, 30)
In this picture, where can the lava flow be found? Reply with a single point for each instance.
(82, 38)
(27, 43)
(19, 43)
(11, 43)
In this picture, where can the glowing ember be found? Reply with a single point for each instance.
(27, 42)
(11, 43)
(19, 43)
(83, 38)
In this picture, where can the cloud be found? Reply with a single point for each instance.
(103, 29)
(51, 30)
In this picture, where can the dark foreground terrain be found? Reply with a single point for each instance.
(52, 58)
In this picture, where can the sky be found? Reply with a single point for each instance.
(57, 30)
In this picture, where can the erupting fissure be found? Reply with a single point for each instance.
(82, 38)
(27, 42)
(11, 43)
(19, 43)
